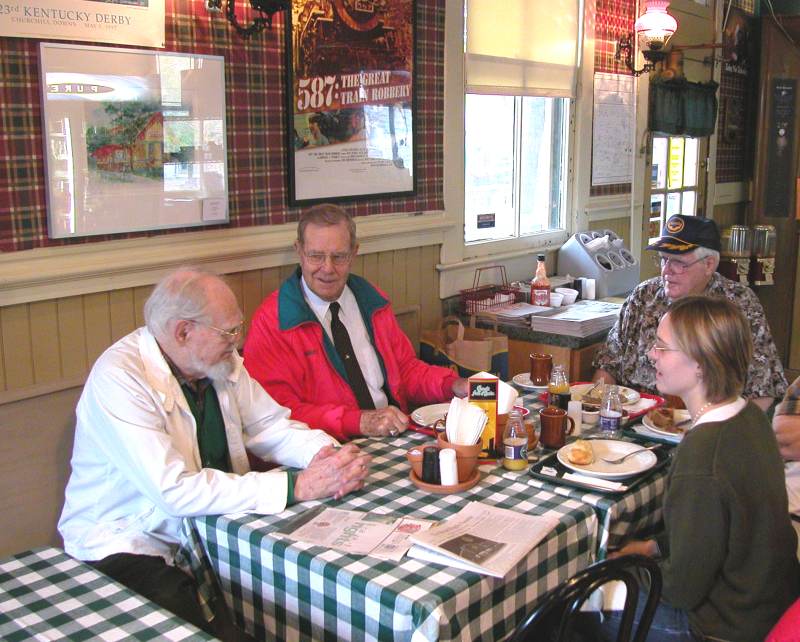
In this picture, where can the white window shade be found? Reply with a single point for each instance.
(522, 47)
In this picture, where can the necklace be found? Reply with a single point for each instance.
(702, 410)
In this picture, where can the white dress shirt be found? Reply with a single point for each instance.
(350, 316)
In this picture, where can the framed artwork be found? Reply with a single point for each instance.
(133, 139)
(351, 99)
(124, 22)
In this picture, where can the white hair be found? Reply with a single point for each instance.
(182, 294)
(704, 252)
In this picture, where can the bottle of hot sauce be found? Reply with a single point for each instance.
(540, 286)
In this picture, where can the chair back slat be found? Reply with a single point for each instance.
(559, 609)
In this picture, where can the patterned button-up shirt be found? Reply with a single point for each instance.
(791, 402)
(624, 356)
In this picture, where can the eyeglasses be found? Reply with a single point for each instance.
(337, 258)
(677, 267)
(660, 347)
(232, 334)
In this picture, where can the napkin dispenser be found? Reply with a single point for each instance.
(602, 256)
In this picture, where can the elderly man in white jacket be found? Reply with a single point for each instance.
(162, 427)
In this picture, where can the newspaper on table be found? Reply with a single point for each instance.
(581, 319)
(383, 536)
(482, 538)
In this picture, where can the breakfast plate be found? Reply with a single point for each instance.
(611, 448)
(669, 431)
(428, 415)
(523, 380)
(626, 395)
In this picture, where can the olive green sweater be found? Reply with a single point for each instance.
(728, 546)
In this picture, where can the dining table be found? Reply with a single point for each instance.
(47, 595)
(279, 588)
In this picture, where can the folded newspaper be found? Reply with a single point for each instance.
(356, 532)
(482, 538)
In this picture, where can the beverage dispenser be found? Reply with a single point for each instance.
(762, 263)
(734, 262)
(601, 256)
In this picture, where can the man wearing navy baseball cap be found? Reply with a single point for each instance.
(688, 256)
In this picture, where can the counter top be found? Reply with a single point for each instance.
(526, 333)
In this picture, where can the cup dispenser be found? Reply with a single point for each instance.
(600, 255)
(734, 262)
(762, 262)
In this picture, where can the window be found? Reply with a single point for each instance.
(520, 72)
(515, 165)
(673, 187)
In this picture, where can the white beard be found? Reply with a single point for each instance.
(218, 372)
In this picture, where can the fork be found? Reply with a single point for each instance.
(619, 460)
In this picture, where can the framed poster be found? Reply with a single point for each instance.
(124, 22)
(133, 139)
(350, 87)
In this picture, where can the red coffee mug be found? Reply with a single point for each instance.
(554, 429)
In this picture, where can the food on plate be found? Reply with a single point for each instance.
(581, 453)
(664, 419)
(596, 397)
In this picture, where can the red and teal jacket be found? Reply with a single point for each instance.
(290, 354)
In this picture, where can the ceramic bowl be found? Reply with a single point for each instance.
(570, 295)
(590, 414)
(556, 298)
(466, 457)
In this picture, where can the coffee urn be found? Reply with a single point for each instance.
(734, 260)
(762, 263)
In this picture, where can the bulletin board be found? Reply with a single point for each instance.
(133, 139)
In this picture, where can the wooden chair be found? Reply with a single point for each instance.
(555, 618)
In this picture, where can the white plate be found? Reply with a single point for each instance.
(679, 415)
(523, 380)
(611, 448)
(427, 415)
(631, 396)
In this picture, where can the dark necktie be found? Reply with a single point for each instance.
(345, 349)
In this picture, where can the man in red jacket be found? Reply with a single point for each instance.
(327, 345)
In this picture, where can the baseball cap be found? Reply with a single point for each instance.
(682, 234)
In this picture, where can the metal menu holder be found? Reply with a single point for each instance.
(134, 140)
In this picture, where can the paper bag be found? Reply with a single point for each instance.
(467, 351)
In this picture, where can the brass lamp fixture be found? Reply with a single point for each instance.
(265, 9)
(653, 29)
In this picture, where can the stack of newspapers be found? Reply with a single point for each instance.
(581, 319)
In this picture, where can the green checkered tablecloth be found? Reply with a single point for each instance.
(47, 595)
(288, 591)
(619, 516)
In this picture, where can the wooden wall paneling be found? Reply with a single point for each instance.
(413, 277)
(72, 337)
(45, 351)
(399, 277)
(431, 305)
(251, 294)
(408, 320)
(386, 273)
(270, 281)
(370, 269)
(123, 317)
(284, 272)
(235, 282)
(97, 325)
(16, 332)
(2, 358)
(357, 267)
(140, 295)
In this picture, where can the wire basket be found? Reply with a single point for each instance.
(480, 298)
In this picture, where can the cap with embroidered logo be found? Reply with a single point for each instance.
(682, 234)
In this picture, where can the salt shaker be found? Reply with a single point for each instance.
(448, 471)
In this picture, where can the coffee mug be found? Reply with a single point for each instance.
(541, 365)
(554, 430)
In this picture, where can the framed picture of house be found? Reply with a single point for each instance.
(133, 139)
(351, 99)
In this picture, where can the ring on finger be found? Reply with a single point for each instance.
(394, 432)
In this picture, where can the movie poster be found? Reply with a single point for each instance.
(124, 22)
(351, 93)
